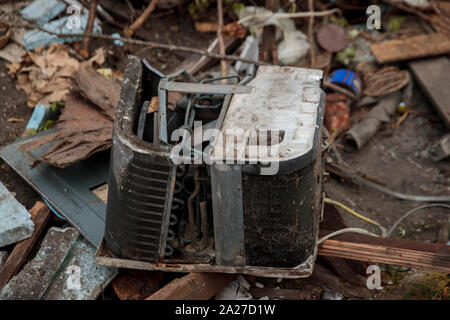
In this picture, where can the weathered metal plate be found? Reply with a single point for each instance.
(68, 190)
(229, 237)
(285, 105)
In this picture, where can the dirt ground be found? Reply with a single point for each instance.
(396, 157)
(13, 104)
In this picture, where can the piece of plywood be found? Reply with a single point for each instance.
(421, 46)
(433, 77)
(399, 252)
(40, 215)
(102, 92)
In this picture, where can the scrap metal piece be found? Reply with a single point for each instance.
(142, 176)
(278, 205)
(185, 87)
(229, 238)
(69, 190)
(358, 135)
(332, 37)
(290, 105)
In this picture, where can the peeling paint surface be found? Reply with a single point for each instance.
(285, 99)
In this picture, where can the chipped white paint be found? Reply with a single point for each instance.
(286, 100)
(15, 220)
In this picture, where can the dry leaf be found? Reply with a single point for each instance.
(45, 74)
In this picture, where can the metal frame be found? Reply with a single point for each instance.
(103, 258)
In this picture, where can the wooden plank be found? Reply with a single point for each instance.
(194, 286)
(406, 253)
(62, 269)
(433, 77)
(347, 269)
(40, 215)
(411, 48)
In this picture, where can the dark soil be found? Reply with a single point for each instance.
(396, 157)
(13, 104)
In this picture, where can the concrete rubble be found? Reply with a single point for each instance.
(15, 220)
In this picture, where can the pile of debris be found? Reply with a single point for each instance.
(72, 72)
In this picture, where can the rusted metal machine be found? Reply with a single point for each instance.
(227, 178)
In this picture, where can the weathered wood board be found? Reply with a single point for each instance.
(433, 77)
(416, 47)
(63, 269)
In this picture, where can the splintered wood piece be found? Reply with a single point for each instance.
(89, 27)
(406, 253)
(142, 18)
(40, 215)
(154, 105)
(194, 286)
(411, 48)
(136, 284)
(102, 92)
(82, 131)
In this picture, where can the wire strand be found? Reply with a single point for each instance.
(359, 216)
(414, 210)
